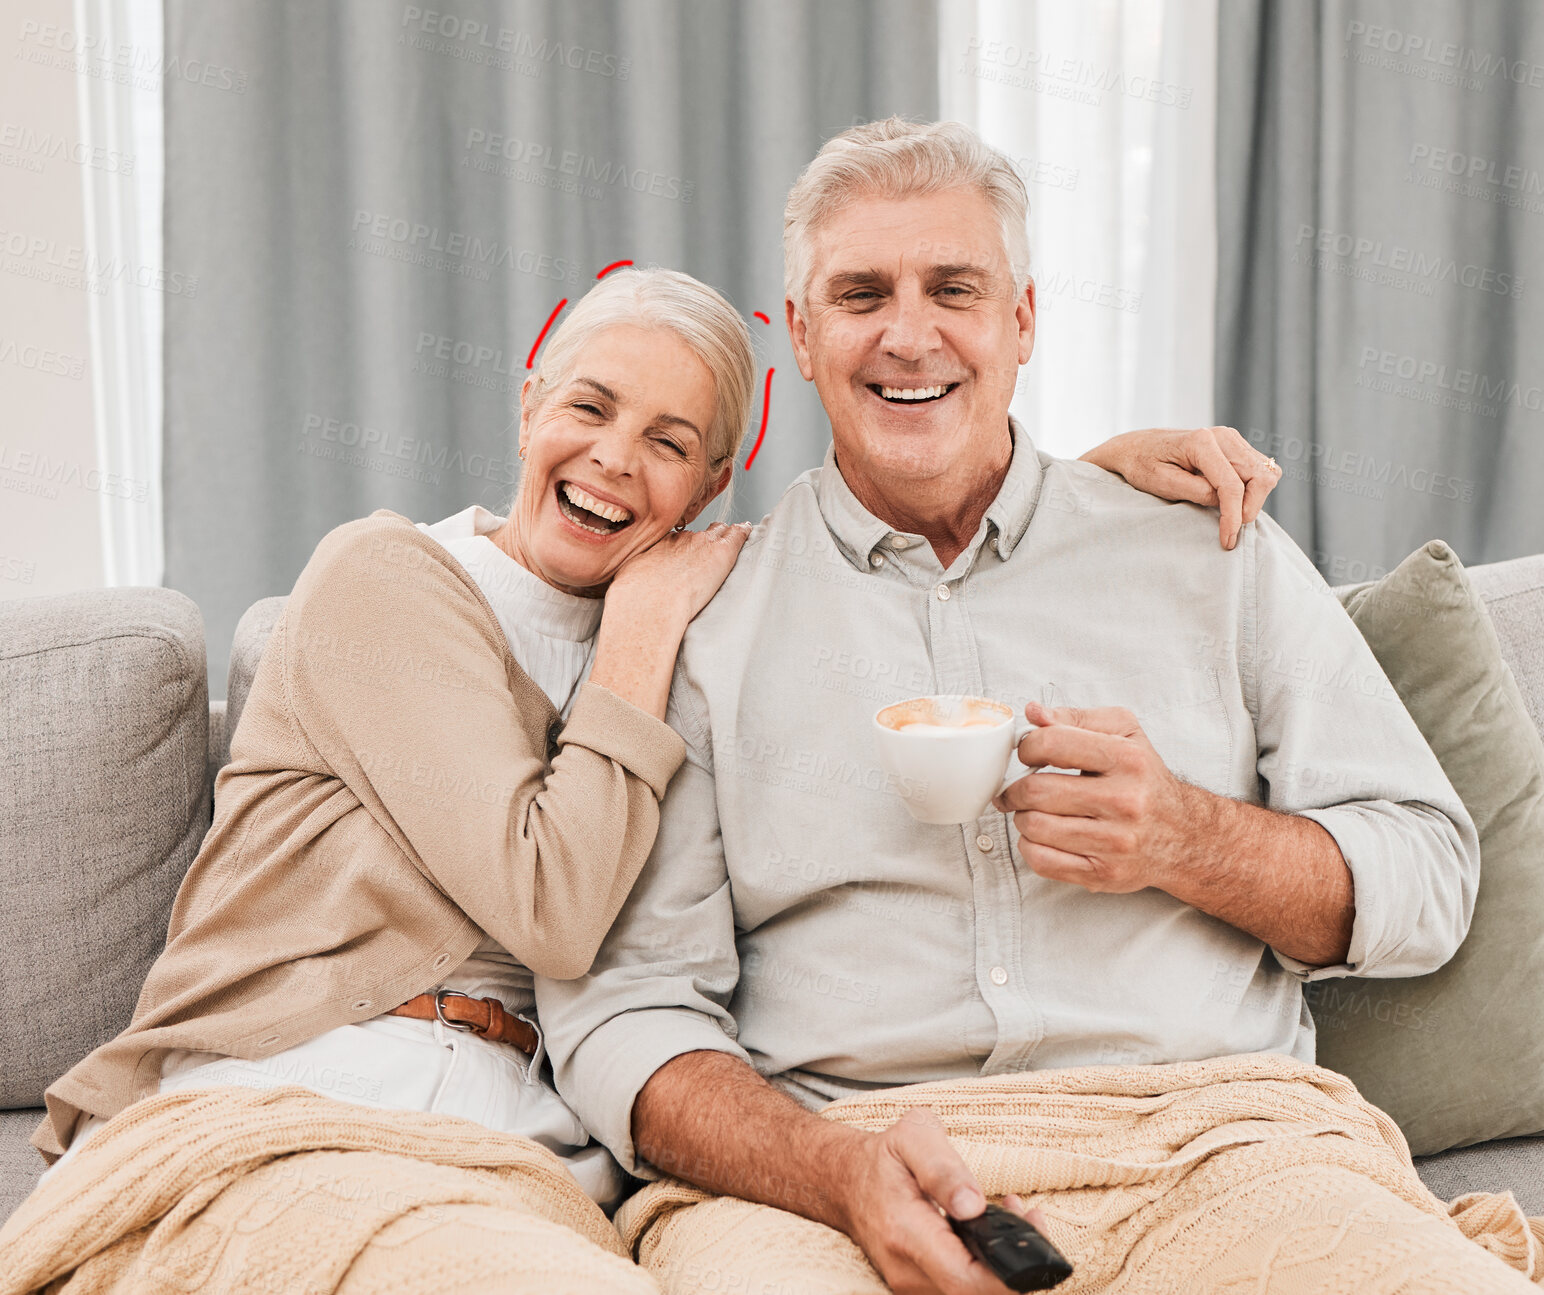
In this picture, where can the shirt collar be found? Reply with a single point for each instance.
(860, 532)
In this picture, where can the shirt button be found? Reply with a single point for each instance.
(999, 976)
(943, 593)
(876, 559)
(899, 542)
(984, 843)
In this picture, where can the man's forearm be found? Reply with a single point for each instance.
(747, 1139)
(1279, 877)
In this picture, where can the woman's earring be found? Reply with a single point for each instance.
(680, 526)
(522, 451)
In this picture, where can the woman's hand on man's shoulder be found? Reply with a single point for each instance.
(1213, 466)
(683, 570)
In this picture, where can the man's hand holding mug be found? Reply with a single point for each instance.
(1119, 823)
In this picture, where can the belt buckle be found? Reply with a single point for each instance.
(439, 1013)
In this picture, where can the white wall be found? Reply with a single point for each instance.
(50, 478)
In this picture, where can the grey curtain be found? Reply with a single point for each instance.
(379, 205)
(1380, 287)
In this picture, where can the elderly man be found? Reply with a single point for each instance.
(1155, 890)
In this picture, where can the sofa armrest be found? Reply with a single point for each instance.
(1514, 596)
(104, 717)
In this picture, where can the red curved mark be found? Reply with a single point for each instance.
(761, 316)
(604, 273)
(536, 345)
(766, 408)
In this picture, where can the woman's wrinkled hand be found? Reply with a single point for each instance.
(683, 570)
(1214, 466)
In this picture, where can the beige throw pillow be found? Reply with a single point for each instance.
(1455, 1057)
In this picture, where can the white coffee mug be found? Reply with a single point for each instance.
(949, 753)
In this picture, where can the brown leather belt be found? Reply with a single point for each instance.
(485, 1017)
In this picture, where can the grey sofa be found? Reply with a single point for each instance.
(109, 746)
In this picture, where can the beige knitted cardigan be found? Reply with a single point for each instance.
(398, 786)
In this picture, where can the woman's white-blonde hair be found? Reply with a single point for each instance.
(694, 312)
(896, 158)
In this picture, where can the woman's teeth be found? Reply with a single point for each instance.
(595, 515)
(590, 503)
(913, 393)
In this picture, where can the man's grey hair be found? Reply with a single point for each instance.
(895, 158)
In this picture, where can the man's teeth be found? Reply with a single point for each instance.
(583, 499)
(912, 393)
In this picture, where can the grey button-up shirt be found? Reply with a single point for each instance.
(793, 913)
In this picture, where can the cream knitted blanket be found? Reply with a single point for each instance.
(1251, 1173)
(284, 1192)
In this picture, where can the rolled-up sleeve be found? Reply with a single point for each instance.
(664, 976)
(1336, 744)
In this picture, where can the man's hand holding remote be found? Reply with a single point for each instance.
(895, 1184)
(885, 1190)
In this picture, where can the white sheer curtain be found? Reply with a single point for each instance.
(1108, 108)
(123, 115)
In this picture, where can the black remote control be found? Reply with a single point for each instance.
(1014, 1249)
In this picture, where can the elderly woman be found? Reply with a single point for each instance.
(447, 777)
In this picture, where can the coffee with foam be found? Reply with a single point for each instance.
(943, 714)
(951, 750)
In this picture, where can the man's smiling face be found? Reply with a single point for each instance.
(913, 333)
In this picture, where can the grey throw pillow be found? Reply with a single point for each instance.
(1455, 1057)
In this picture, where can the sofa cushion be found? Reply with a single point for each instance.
(104, 801)
(1456, 1056)
(1515, 1165)
(20, 1163)
(219, 746)
(1514, 597)
(252, 632)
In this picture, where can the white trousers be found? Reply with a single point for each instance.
(394, 1063)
